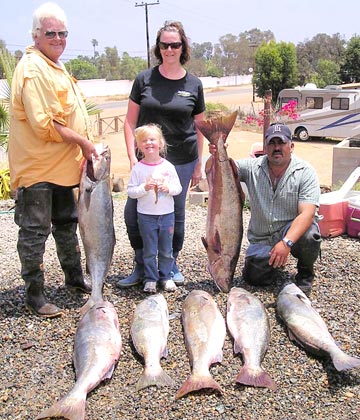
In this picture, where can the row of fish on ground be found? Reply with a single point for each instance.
(98, 342)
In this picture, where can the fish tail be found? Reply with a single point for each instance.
(68, 407)
(195, 383)
(160, 378)
(255, 377)
(343, 361)
(89, 304)
(222, 124)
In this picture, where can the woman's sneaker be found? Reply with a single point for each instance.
(168, 285)
(177, 276)
(150, 287)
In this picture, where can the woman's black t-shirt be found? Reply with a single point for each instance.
(172, 105)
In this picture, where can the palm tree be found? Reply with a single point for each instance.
(8, 62)
(94, 43)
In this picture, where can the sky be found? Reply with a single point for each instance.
(122, 23)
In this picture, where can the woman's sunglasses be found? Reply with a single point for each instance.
(172, 45)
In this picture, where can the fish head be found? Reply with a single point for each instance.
(221, 271)
(98, 168)
(292, 290)
(157, 301)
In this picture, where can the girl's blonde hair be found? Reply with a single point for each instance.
(154, 130)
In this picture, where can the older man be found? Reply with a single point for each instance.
(49, 135)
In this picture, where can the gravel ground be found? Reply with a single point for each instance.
(36, 354)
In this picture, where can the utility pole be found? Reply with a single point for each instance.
(267, 113)
(145, 4)
(253, 46)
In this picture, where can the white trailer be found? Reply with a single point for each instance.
(330, 112)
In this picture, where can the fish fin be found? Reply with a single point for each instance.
(208, 165)
(110, 372)
(165, 352)
(238, 185)
(68, 407)
(205, 243)
(160, 378)
(195, 383)
(237, 348)
(343, 361)
(222, 125)
(217, 242)
(218, 358)
(89, 304)
(255, 377)
(93, 300)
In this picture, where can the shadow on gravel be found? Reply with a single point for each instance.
(12, 300)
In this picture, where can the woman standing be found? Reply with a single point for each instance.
(169, 96)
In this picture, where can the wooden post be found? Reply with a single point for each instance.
(100, 125)
(267, 113)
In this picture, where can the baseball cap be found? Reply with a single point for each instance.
(280, 131)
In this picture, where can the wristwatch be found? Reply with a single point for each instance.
(288, 242)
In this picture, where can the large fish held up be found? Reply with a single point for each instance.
(307, 328)
(248, 323)
(224, 226)
(149, 331)
(96, 220)
(204, 331)
(97, 349)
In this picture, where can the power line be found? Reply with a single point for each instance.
(142, 4)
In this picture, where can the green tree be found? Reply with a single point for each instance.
(275, 68)
(95, 43)
(212, 70)
(197, 66)
(81, 69)
(320, 47)
(2, 47)
(110, 64)
(229, 51)
(8, 64)
(327, 74)
(202, 51)
(350, 69)
(131, 66)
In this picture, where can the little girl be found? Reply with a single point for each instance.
(154, 182)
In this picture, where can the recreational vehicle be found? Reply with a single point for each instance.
(330, 112)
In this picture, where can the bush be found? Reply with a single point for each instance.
(215, 109)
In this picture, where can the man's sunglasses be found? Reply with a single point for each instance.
(52, 34)
(172, 45)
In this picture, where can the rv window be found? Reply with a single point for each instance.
(313, 103)
(340, 103)
(286, 100)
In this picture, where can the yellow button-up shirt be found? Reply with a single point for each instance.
(43, 92)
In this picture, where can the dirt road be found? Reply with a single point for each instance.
(317, 153)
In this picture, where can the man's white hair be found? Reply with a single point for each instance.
(47, 10)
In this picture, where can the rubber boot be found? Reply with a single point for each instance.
(36, 302)
(258, 272)
(176, 275)
(304, 279)
(137, 275)
(33, 216)
(68, 251)
(307, 250)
